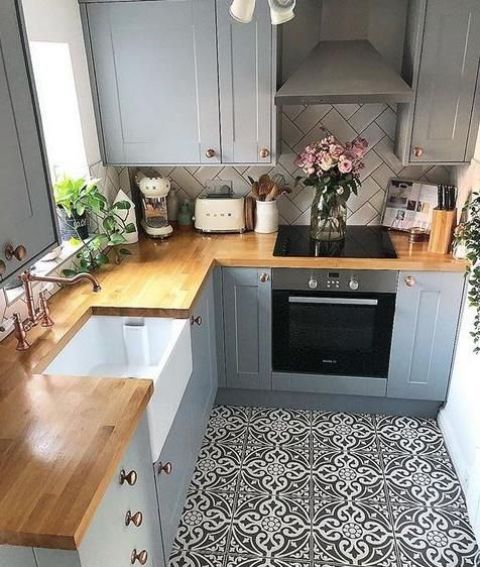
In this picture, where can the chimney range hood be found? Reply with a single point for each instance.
(344, 72)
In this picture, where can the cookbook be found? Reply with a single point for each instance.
(409, 204)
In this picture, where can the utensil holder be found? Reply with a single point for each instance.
(441, 234)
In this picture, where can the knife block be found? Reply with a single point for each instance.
(441, 234)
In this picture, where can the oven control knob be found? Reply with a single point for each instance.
(312, 283)
(354, 285)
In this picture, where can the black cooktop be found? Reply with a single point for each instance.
(360, 242)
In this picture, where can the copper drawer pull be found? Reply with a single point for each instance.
(139, 556)
(135, 519)
(129, 478)
(210, 153)
(264, 153)
(418, 151)
(3, 268)
(19, 252)
(166, 468)
(264, 278)
(410, 281)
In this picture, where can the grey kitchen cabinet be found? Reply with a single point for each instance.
(247, 322)
(109, 541)
(154, 72)
(174, 469)
(246, 66)
(178, 82)
(27, 216)
(442, 63)
(425, 327)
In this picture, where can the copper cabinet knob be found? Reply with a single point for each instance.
(410, 281)
(196, 320)
(264, 278)
(19, 252)
(139, 557)
(418, 151)
(166, 468)
(135, 519)
(129, 478)
(264, 153)
(3, 268)
(210, 153)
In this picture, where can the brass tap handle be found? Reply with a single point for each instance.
(45, 319)
(20, 333)
(139, 557)
(166, 468)
(19, 252)
(135, 519)
(3, 268)
(129, 478)
(410, 281)
(264, 153)
(198, 320)
(210, 153)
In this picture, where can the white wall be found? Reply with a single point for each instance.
(59, 21)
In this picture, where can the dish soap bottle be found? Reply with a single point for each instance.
(172, 205)
(185, 216)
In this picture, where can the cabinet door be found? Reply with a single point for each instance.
(247, 305)
(447, 81)
(154, 65)
(13, 556)
(26, 211)
(246, 82)
(424, 333)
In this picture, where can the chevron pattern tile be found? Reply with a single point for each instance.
(302, 125)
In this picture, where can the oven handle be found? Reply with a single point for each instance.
(332, 300)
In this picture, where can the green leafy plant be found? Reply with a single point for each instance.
(82, 197)
(468, 234)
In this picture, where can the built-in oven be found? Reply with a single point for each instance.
(330, 322)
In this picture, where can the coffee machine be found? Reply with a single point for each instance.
(154, 191)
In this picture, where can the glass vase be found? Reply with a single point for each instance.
(329, 216)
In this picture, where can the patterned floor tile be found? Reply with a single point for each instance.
(180, 558)
(218, 467)
(434, 538)
(410, 436)
(273, 527)
(244, 561)
(422, 480)
(227, 425)
(345, 475)
(344, 431)
(279, 427)
(205, 522)
(353, 533)
(276, 470)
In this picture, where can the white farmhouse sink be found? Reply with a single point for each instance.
(129, 347)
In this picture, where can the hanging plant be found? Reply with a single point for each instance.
(467, 234)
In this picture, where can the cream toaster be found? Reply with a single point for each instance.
(220, 214)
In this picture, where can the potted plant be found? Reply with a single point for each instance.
(333, 170)
(467, 235)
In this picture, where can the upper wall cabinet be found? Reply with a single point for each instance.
(442, 60)
(27, 219)
(164, 72)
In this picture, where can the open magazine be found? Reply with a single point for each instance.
(409, 204)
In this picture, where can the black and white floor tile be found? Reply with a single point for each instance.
(290, 488)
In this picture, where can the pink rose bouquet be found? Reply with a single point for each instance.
(333, 167)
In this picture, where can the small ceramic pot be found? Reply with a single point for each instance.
(266, 217)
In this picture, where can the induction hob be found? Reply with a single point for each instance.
(360, 242)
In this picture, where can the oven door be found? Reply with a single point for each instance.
(347, 334)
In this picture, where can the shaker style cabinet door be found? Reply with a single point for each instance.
(247, 315)
(154, 71)
(27, 217)
(246, 75)
(424, 333)
(444, 116)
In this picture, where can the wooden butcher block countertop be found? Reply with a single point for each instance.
(61, 438)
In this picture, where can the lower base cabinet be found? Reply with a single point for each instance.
(125, 529)
(174, 468)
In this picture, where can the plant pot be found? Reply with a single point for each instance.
(328, 217)
(266, 217)
(75, 226)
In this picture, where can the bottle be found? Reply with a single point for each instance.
(172, 205)
(185, 215)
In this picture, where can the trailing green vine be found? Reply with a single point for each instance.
(468, 234)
